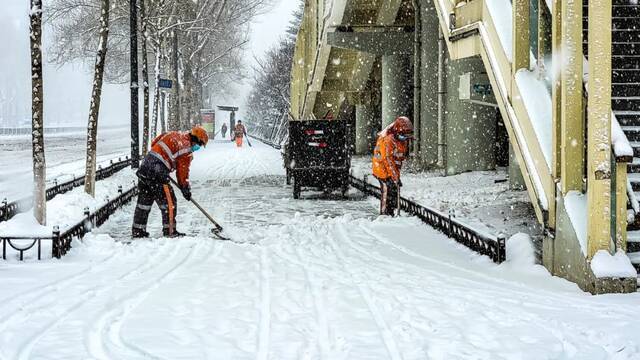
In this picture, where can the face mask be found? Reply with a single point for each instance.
(402, 137)
(195, 147)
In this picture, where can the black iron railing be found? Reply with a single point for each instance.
(482, 243)
(10, 209)
(270, 143)
(61, 240)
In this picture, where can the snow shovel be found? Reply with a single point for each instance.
(217, 230)
(249, 142)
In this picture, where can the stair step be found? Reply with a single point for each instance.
(630, 103)
(634, 257)
(625, 89)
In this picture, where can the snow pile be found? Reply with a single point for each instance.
(537, 102)
(604, 265)
(520, 251)
(67, 210)
(621, 145)
(576, 205)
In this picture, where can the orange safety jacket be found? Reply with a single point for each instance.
(239, 131)
(173, 149)
(388, 157)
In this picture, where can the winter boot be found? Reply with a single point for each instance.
(176, 234)
(139, 234)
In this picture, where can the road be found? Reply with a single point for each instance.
(318, 278)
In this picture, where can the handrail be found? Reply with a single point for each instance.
(9, 209)
(61, 240)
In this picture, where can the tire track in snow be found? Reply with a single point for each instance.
(367, 296)
(90, 293)
(265, 306)
(39, 290)
(324, 344)
(42, 302)
(109, 324)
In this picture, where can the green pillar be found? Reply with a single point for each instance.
(397, 83)
(365, 128)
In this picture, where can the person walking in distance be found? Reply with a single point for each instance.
(224, 130)
(239, 132)
(391, 150)
(171, 151)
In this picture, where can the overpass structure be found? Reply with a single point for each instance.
(498, 82)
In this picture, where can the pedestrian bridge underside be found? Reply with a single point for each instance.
(487, 85)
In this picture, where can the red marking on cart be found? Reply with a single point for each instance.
(314, 132)
(320, 145)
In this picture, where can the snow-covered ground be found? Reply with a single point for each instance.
(317, 278)
(65, 156)
(481, 199)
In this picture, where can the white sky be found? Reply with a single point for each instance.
(67, 89)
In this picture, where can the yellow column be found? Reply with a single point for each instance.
(521, 52)
(556, 92)
(572, 123)
(599, 127)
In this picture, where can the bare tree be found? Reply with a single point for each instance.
(94, 109)
(37, 116)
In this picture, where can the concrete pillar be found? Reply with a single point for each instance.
(365, 127)
(397, 82)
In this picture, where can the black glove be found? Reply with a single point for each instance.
(186, 192)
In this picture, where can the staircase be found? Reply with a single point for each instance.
(625, 97)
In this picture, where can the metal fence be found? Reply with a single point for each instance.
(61, 240)
(270, 143)
(10, 209)
(482, 243)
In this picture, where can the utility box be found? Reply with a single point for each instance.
(476, 88)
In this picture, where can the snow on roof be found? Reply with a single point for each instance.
(605, 265)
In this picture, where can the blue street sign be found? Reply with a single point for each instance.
(166, 84)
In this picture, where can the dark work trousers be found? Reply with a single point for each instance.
(389, 198)
(162, 194)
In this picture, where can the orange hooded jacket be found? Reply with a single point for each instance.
(388, 157)
(174, 150)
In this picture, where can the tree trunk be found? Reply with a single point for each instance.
(174, 111)
(37, 116)
(94, 110)
(145, 81)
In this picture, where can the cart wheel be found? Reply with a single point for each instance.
(296, 189)
(345, 190)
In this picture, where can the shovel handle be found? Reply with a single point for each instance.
(202, 210)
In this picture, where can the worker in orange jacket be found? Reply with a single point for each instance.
(171, 151)
(239, 132)
(392, 148)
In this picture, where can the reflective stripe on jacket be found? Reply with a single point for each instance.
(173, 149)
(388, 157)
